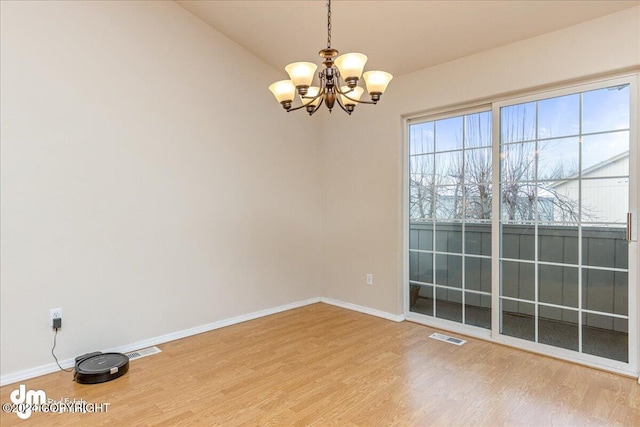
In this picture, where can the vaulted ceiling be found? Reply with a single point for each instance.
(397, 36)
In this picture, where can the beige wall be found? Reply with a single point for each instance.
(150, 183)
(362, 156)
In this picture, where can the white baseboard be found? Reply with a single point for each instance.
(14, 377)
(362, 309)
(69, 363)
(212, 326)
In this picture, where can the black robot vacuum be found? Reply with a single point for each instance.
(98, 367)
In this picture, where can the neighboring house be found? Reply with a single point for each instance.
(603, 200)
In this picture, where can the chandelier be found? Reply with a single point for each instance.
(338, 81)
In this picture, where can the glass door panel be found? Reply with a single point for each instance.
(450, 199)
(564, 185)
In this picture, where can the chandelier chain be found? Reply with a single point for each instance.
(328, 24)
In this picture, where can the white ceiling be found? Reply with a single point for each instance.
(397, 36)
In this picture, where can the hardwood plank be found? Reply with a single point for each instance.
(322, 365)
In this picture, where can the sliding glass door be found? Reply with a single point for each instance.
(517, 222)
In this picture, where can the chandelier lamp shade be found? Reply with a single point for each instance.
(338, 81)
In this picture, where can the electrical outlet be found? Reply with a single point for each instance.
(369, 279)
(54, 313)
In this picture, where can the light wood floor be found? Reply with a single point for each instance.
(323, 365)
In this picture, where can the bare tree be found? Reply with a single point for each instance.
(460, 184)
(422, 182)
(478, 190)
(518, 187)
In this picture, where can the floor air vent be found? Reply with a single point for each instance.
(137, 354)
(446, 338)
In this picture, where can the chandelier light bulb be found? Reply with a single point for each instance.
(377, 82)
(301, 73)
(351, 65)
(354, 94)
(284, 91)
(311, 93)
